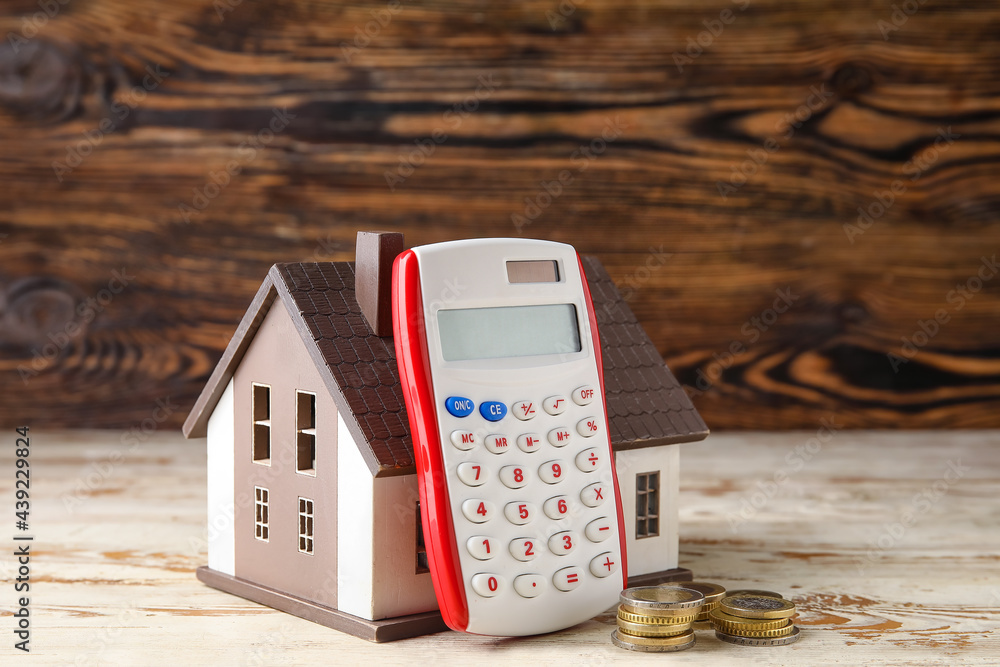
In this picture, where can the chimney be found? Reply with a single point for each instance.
(373, 258)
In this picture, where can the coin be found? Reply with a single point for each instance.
(748, 631)
(645, 630)
(756, 606)
(647, 619)
(755, 592)
(759, 641)
(728, 623)
(653, 645)
(644, 599)
(712, 592)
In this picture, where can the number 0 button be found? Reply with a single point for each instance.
(472, 474)
(478, 511)
(513, 477)
(487, 585)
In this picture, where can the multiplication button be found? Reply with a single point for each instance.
(594, 494)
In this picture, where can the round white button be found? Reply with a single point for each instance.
(598, 530)
(498, 444)
(594, 494)
(589, 459)
(529, 585)
(583, 395)
(529, 442)
(472, 474)
(588, 426)
(559, 437)
(567, 578)
(481, 547)
(464, 440)
(513, 477)
(556, 507)
(562, 544)
(478, 511)
(519, 513)
(555, 405)
(524, 548)
(524, 410)
(487, 585)
(552, 472)
(604, 565)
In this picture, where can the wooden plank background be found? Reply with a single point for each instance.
(115, 115)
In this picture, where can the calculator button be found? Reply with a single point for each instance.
(524, 548)
(498, 444)
(519, 513)
(487, 585)
(458, 406)
(552, 472)
(589, 459)
(529, 585)
(594, 494)
(523, 410)
(559, 437)
(555, 405)
(562, 544)
(481, 547)
(556, 507)
(604, 565)
(464, 440)
(492, 411)
(529, 442)
(598, 530)
(567, 578)
(583, 395)
(478, 511)
(472, 474)
(513, 477)
(588, 426)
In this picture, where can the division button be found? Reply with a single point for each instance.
(604, 565)
(556, 507)
(589, 459)
(497, 444)
(524, 410)
(481, 547)
(519, 512)
(559, 437)
(594, 494)
(513, 477)
(583, 395)
(524, 548)
(487, 585)
(472, 474)
(464, 440)
(567, 578)
(477, 510)
(458, 406)
(492, 411)
(552, 472)
(529, 585)
(588, 426)
(555, 405)
(563, 544)
(529, 442)
(598, 530)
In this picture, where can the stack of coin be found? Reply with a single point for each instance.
(657, 618)
(752, 619)
(713, 596)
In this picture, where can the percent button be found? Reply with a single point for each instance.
(587, 427)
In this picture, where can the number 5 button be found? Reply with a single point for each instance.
(471, 474)
(519, 513)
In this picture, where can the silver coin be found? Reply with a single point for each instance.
(651, 648)
(661, 597)
(755, 592)
(759, 641)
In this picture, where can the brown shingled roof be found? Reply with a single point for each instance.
(646, 405)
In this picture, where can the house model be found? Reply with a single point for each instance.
(312, 488)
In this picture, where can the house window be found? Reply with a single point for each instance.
(260, 503)
(305, 526)
(305, 432)
(647, 504)
(421, 548)
(261, 411)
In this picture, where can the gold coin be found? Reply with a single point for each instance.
(643, 599)
(753, 591)
(757, 606)
(724, 621)
(644, 630)
(783, 631)
(647, 619)
(712, 592)
(759, 641)
(625, 641)
(707, 609)
(678, 642)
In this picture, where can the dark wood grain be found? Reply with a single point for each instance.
(371, 138)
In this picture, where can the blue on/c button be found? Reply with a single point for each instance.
(459, 406)
(492, 410)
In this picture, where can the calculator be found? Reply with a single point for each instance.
(500, 363)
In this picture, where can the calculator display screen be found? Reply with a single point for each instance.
(508, 331)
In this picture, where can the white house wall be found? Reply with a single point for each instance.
(221, 489)
(355, 539)
(650, 554)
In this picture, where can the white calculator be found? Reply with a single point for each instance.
(500, 363)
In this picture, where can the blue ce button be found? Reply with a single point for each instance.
(459, 406)
(492, 410)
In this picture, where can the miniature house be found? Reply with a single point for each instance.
(312, 490)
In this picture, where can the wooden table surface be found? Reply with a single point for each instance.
(119, 529)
